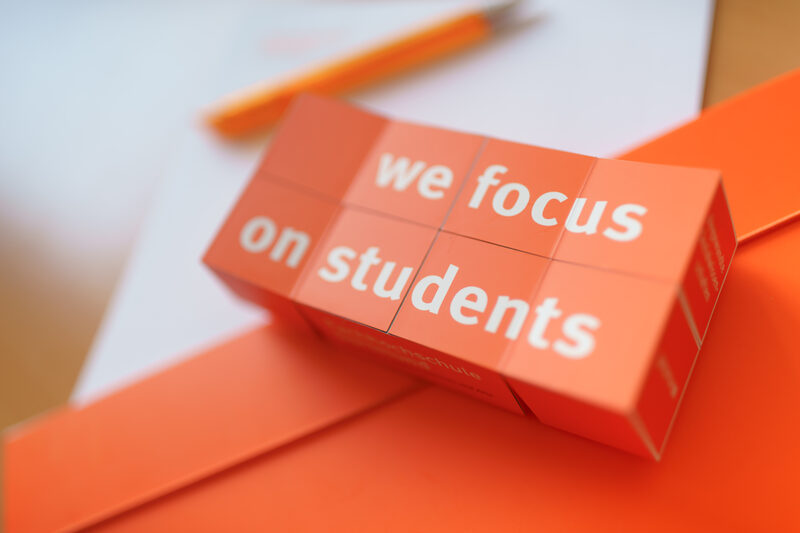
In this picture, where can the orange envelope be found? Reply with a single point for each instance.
(271, 432)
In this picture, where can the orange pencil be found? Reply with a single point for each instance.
(261, 105)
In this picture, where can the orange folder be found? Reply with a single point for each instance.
(272, 431)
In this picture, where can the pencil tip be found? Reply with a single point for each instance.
(499, 12)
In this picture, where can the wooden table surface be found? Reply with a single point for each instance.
(49, 315)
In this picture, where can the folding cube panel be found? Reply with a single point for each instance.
(568, 287)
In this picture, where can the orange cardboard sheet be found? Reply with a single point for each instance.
(753, 138)
(257, 393)
(272, 433)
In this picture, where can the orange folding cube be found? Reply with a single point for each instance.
(574, 289)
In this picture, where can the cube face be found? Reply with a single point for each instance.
(414, 172)
(638, 218)
(269, 236)
(438, 367)
(453, 371)
(667, 378)
(591, 335)
(470, 298)
(364, 267)
(320, 145)
(519, 196)
(709, 264)
(539, 281)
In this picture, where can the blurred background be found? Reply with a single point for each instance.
(82, 77)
